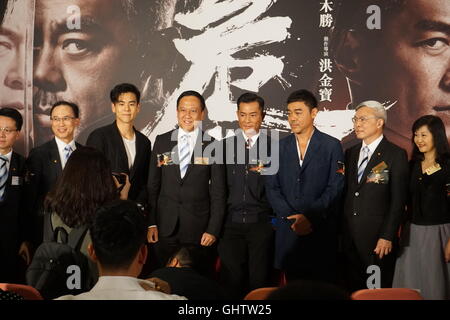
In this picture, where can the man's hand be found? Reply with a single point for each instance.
(384, 247)
(152, 234)
(25, 252)
(301, 225)
(207, 239)
(447, 251)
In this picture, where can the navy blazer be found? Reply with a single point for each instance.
(314, 189)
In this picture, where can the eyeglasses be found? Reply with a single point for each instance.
(63, 119)
(8, 130)
(362, 119)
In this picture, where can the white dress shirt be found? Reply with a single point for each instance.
(192, 138)
(122, 288)
(300, 151)
(130, 147)
(8, 156)
(372, 147)
(253, 139)
(62, 154)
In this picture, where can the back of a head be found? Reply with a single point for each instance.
(85, 184)
(309, 290)
(191, 256)
(118, 232)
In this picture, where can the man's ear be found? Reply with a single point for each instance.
(91, 252)
(347, 55)
(143, 254)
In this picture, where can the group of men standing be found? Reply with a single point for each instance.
(198, 190)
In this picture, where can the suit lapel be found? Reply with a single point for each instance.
(375, 159)
(122, 152)
(198, 147)
(55, 160)
(292, 155)
(312, 151)
(12, 171)
(139, 156)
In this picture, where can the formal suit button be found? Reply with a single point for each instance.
(356, 194)
(354, 213)
(298, 180)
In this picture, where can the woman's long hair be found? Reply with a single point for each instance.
(85, 184)
(437, 129)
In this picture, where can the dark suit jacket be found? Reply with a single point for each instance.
(109, 141)
(314, 189)
(14, 226)
(43, 170)
(189, 283)
(374, 210)
(197, 202)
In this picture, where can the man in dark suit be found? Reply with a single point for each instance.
(14, 226)
(45, 163)
(375, 198)
(305, 195)
(127, 149)
(186, 185)
(246, 245)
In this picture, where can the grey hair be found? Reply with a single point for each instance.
(380, 111)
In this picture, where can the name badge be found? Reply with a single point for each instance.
(16, 181)
(201, 160)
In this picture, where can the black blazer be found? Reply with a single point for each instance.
(43, 170)
(109, 141)
(196, 202)
(374, 208)
(14, 226)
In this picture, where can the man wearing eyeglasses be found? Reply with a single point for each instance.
(13, 226)
(46, 162)
(376, 187)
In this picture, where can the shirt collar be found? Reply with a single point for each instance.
(254, 137)
(8, 156)
(373, 146)
(61, 144)
(193, 134)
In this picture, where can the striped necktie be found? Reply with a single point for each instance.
(3, 176)
(67, 152)
(185, 158)
(363, 164)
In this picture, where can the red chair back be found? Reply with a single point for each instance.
(387, 294)
(27, 292)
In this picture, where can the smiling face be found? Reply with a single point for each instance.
(424, 141)
(250, 117)
(126, 108)
(80, 65)
(189, 113)
(8, 134)
(64, 123)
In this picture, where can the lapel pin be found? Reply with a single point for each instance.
(55, 161)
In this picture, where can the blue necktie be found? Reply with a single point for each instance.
(3, 176)
(67, 152)
(185, 158)
(363, 164)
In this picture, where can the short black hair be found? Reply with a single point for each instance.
(118, 232)
(73, 106)
(195, 94)
(251, 97)
(304, 96)
(124, 88)
(437, 129)
(13, 114)
(192, 256)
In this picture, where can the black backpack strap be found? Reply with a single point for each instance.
(76, 237)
